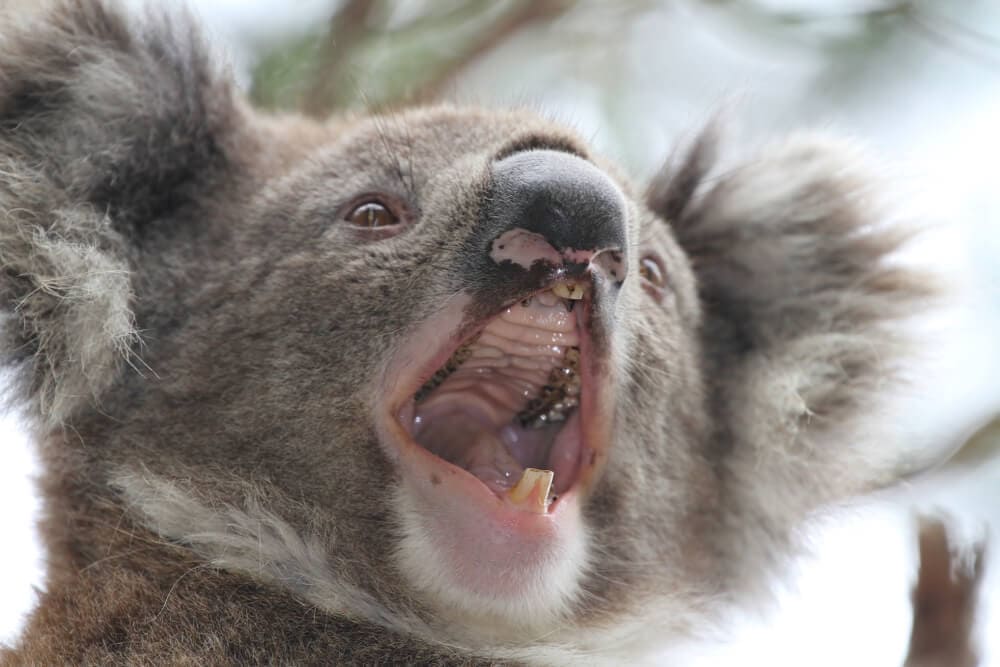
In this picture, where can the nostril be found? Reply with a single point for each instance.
(612, 264)
(525, 249)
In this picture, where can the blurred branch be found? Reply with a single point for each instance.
(928, 28)
(421, 71)
(316, 74)
(368, 57)
(798, 17)
(962, 29)
(430, 21)
(527, 12)
(348, 27)
(938, 29)
(945, 598)
(982, 448)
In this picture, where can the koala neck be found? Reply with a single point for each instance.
(253, 541)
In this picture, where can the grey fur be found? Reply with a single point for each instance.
(200, 339)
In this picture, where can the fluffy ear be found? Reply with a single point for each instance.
(804, 307)
(108, 129)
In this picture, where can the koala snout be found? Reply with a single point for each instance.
(557, 209)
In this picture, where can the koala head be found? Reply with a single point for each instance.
(445, 370)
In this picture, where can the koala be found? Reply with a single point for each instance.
(436, 386)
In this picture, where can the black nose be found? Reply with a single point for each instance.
(554, 207)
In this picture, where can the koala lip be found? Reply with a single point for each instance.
(470, 436)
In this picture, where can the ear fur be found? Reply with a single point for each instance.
(804, 308)
(107, 128)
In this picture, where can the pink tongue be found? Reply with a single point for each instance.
(462, 438)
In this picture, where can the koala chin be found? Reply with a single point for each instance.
(430, 386)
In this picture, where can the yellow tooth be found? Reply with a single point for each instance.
(573, 291)
(531, 493)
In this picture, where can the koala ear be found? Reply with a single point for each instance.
(109, 128)
(803, 306)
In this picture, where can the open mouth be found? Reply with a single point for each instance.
(510, 403)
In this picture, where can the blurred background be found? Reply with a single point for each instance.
(918, 81)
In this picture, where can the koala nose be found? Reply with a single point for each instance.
(553, 207)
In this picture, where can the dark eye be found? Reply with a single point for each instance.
(370, 215)
(651, 270)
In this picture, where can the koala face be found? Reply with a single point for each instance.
(405, 324)
(445, 372)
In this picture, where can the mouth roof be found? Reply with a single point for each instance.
(504, 406)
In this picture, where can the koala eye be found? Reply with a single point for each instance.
(371, 214)
(651, 270)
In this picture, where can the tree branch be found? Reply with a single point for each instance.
(348, 27)
(525, 14)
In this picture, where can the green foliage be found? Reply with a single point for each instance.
(371, 57)
(281, 78)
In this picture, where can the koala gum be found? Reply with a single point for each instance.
(450, 366)
(497, 404)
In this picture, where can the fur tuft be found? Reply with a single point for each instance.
(71, 324)
(805, 312)
(104, 129)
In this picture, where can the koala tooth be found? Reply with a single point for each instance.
(573, 291)
(531, 492)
